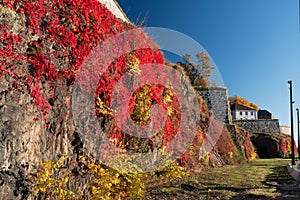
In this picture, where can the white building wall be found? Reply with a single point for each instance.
(285, 130)
(114, 7)
(244, 114)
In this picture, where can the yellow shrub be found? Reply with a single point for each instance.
(107, 183)
(111, 184)
(46, 183)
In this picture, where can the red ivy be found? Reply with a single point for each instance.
(67, 31)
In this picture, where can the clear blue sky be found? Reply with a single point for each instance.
(254, 43)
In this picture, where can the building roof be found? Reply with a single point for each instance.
(240, 107)
(264, 112)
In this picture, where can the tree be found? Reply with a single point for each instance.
(200, 72)
(240, 100)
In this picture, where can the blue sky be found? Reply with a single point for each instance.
(254, 43)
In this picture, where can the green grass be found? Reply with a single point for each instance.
(246, 181)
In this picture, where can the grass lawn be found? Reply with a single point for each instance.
(246, 181)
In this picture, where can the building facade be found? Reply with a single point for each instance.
(264, 114)
(285, 130)
(241, 112)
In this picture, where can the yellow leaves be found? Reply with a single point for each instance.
(111, 184)
(169, 111)
(81, 158)
(107, 184)
(61, 160)
(59, 183)
(206, 159)
(92, 167)
(230, 153)
(143, 103)
(192, 150)
(61, 193)
(240, 100)
(135, 70)
(47, 173)
(102, 108)
(115, 181)
(167, 99)
(42, 189)
(132, 64)
(101, 171)
(48, 183)
(117, 142)
(253, 154)
(66, 179)
(94, 190)
(168, 96)
(96, 169)
(172, 171)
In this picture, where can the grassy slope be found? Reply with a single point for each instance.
(246, 181)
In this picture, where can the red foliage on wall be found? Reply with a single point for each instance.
(59, 35)
(65, 30)
(227, 149)
(286, 147)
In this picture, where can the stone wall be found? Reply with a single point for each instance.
(217, 102)
(285, 130)
(259, 126)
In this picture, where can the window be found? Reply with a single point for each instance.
(252, 113)
(241, 113)
(246, 113)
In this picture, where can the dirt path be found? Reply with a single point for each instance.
(261, 179)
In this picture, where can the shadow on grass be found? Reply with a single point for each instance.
(286, 185)
(250, 196)
(262, 179)
(280, 178)
(279, 174)
(190, 191)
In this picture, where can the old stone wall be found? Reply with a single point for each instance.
(217, 102)
(259, 126)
